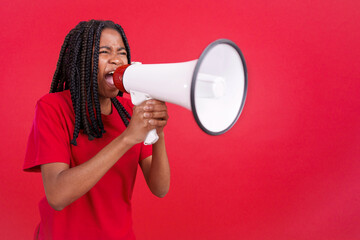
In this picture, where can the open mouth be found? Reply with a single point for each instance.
(109, 78)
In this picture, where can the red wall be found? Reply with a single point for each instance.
(290, 167)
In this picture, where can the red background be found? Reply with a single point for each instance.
(289, 168)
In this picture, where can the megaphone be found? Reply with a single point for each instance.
(213, 87)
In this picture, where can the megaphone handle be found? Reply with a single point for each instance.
(151, 137)
(137, 98)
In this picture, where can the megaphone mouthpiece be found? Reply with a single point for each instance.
(118, 77)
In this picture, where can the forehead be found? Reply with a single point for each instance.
(111, 37)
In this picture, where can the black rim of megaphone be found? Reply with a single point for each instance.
(193, 82)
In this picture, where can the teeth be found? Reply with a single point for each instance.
(112, 72)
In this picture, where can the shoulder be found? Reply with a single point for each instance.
(57, 101)
(55, 106)
(57, 97)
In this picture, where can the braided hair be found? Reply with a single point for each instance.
(77, 70)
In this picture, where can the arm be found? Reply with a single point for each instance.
(156, 168)
(63, 185)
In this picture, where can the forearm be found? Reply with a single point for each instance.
(159, 173)
(67, 185)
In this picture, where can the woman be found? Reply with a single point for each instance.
(87, 153)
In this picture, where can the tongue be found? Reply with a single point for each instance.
(109, 79)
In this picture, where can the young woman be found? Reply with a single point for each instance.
(87, 146)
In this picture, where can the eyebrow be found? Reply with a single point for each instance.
(108, 48)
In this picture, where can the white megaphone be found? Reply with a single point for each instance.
(213, 87)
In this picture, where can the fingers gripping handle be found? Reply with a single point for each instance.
(137, 98)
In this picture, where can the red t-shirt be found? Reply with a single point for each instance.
(105, 211)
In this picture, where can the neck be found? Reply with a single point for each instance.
(105, 106)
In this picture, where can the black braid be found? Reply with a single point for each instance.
(95, 77)
(55, 84)
(122, 111)
(79, 53)
(83, 95)
(89, 89)
(75, 83)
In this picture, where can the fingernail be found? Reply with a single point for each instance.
(147, 114)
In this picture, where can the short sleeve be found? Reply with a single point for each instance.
(49, 138)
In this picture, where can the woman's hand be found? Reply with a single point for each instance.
(151, 114)
(156, 114)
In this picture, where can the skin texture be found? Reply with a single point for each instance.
(63, 185)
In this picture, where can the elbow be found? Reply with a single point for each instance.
(159, 188)
(56, 207)
(161, 193)
(56, 204)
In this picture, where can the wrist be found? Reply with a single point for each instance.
(161, 134)
(127, 141)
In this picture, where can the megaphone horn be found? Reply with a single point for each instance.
(213, 87)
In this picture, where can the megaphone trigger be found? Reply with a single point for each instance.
(138, 97)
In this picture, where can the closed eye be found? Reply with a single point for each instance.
(104, 49)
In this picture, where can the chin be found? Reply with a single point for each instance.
(108, 93)
(113, 94)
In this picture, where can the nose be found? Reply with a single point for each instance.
(116, 60)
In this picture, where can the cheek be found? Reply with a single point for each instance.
(124, 60)
(101, 67)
